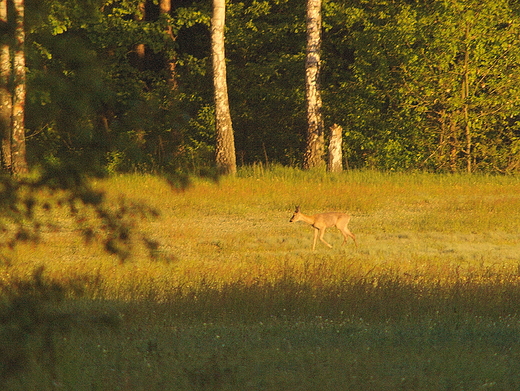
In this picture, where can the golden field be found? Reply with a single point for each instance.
(234, 298)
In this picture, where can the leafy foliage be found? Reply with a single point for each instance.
(415, 85)
(28, 206)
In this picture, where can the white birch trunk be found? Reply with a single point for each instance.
(225, 143)
(314, 154)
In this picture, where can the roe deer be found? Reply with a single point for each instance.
(321, 221)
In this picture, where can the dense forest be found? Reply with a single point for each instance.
(414, 84)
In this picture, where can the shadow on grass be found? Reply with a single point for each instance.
(384, 330)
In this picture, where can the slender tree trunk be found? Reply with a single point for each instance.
(454, 144)
(140, 49)
(314, 154)
(225, 148)
(165, 7)
(12, 88)
(465, 99)
(469, 140)
(335, 150)
(441, 153)
(19, 162)
(6, 98)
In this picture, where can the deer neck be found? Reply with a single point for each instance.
(308, 219)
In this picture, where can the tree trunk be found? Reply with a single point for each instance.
(140, 49)
(314, 154)
(454, 144)
(19, 162)
(165, 7)
(225, 145)
(12, 88)
(335, 151)
(465, 100)
(6, 98)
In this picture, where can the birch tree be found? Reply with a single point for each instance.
(315, 133)
(225, 143)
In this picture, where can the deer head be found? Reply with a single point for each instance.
(296, 215)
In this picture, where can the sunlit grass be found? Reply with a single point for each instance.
(237, 230)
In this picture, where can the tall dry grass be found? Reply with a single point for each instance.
(422, 231)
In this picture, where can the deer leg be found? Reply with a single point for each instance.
(315, 238)
(322, 232)
(346, 233)
(353, 238)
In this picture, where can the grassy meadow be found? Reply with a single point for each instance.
(235, 299)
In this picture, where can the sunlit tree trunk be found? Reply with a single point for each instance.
(335, 152)
(314, 154)
(18, 153)
(165, 7)
(225, 144)
(12, 87)
(5, 93)
(140, 49)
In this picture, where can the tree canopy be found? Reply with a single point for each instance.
(421, 84)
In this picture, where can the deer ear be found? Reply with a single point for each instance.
(297, 209)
